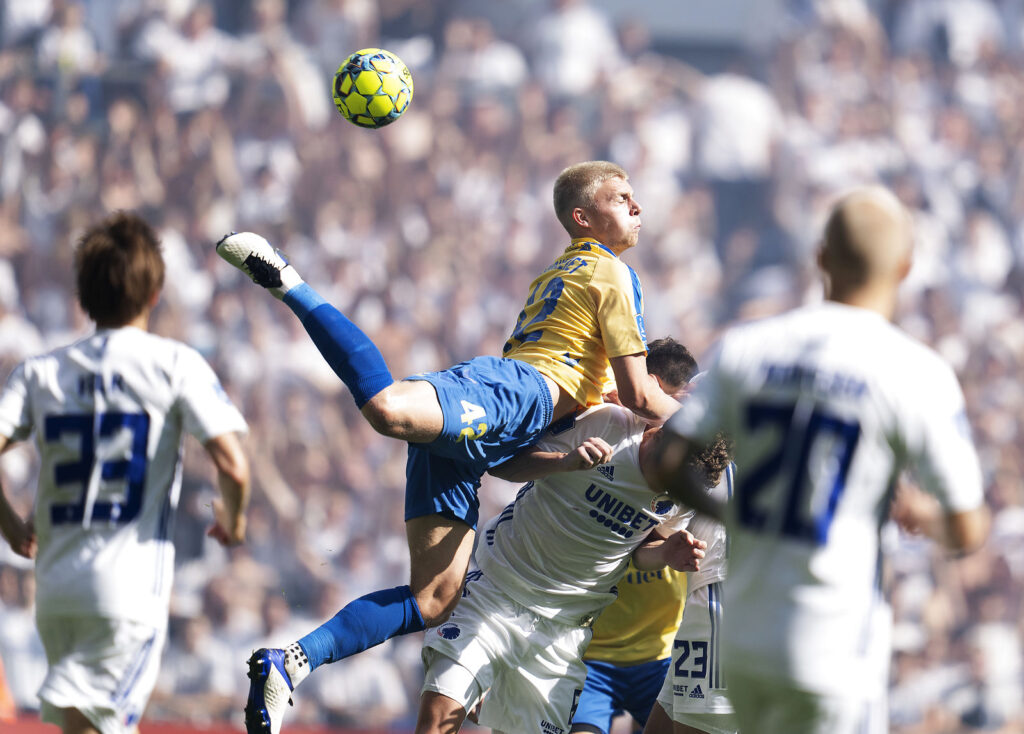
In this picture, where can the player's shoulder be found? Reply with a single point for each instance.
(50, 360)
(607, 420)
(609, 414)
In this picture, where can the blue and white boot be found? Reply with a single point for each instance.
(273, 675)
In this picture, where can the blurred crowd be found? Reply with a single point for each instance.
(211, 115)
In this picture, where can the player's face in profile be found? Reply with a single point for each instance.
(615, 216)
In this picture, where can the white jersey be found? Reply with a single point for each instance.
(714, 564)
(826, 405)
(565, 541)
(108, 414)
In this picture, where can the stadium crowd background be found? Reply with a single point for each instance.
(215, 116)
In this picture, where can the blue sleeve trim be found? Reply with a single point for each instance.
(638, 304)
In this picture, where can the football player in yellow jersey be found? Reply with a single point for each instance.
(583, 316)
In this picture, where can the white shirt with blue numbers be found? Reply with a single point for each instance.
(108, 413)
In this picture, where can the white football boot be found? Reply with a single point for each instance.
(254, 256)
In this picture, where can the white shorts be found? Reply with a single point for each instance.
(694, 691)
(530, 667)
(105, 668)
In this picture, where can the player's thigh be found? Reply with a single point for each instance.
(539, 689)
(75, 722)
(439, 553)
(439, 714)
(658, 722)
(408, 410)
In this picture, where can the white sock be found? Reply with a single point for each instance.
(289, 279)
(296, 664)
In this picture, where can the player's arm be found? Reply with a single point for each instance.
(639, 391)
(234, 483)
(920, 513)
(678, 550)
(535, 463)
(15, 529)
(946, 465)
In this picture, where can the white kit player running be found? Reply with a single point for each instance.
(547, 567)
(108, 414)
(826, 405)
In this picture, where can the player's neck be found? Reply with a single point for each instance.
(880, 300)
(139, 322)
(618, 249)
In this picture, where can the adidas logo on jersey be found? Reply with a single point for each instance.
(697, 692)
(608, 471)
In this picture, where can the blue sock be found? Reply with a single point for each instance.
(363, 623)
(349, 352)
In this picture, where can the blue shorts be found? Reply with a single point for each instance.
(492, 409)
(611, 690)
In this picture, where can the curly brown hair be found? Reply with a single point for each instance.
(713, 458)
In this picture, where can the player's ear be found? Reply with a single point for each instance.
(820, 260)
(579, 215)
(905, 266)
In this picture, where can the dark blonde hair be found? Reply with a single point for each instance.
(118, 269)
(577, 185)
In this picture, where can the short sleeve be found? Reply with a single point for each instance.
(944, 460)
(15, 416)
(618, 299)
(206, 409)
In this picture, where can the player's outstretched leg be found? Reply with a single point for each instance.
(273, 674)
(349, 352)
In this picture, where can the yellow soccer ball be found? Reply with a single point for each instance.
(372, 88)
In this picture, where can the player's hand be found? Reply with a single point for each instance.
(915, 511)
(226, 531)
(592, 452)
(683, 552)
(612, 396)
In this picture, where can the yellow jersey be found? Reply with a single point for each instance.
(585, 308)
(640, 626)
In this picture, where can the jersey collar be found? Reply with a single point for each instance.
(586, 243)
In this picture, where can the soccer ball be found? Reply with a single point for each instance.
(372, 88)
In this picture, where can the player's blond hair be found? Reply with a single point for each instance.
(577, 186)
(118, 269)
(867, 236)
